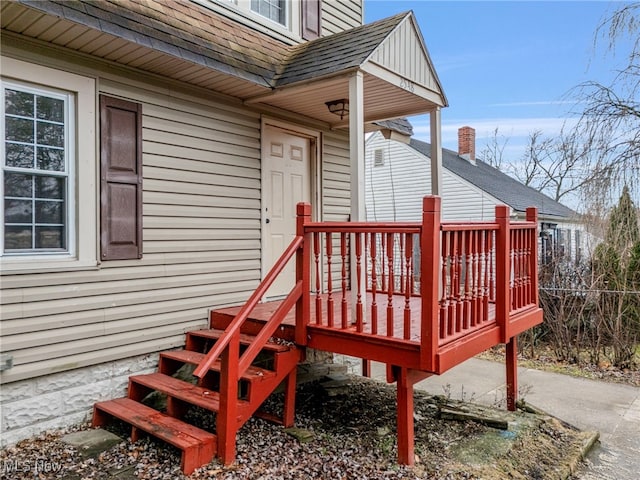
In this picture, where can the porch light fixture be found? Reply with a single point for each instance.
(339, 107)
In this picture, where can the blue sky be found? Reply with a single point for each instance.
(508, 64)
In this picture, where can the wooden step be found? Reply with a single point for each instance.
(187, 392)
(253, 373)
(245, 339)
(198, 446)
(222, 318)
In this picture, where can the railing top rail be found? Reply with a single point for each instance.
(523, 225)
(457, 227)
(363, 227)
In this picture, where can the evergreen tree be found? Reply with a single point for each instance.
(616, 266)
(622, 231)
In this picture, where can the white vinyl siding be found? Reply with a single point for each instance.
(338, 16)
(201, 220)
(336, 177)
(394, 190)
(201, 241)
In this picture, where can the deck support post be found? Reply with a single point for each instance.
(366, 367)
(288, 416)
(404, 385)
(512, 373)
(227, 421)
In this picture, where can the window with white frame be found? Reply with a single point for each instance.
(275, 10)
(291, 19)
(48, 168)
(37, 173)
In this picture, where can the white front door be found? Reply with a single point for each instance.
(286, 177)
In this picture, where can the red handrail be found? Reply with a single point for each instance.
(235, 326)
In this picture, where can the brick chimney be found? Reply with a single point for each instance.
(467, 144)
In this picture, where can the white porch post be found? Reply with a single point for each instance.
(356, 154)
(356, 145)
(436, 151)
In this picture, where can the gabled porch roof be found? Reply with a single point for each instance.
(188, 42)
(399, 77)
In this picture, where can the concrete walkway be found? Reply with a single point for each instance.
(609, 408)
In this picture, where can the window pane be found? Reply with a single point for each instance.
(51, 159)
(50, 237)
(17, 238)
(18, 185)
(49, 211)
(50, 109)
(35, 206)
(18, 211)
(49, 187)
(18, 103)
(50, 134)
(272, 9)
(19, 130)
(18, 155)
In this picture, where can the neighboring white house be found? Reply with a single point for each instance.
(398, 175)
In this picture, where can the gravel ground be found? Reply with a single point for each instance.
(352, 437)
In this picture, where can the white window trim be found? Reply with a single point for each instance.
(240, 11)
(82, 240)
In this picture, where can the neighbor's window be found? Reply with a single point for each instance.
(37, 172)
(378, 157)
(272, 9)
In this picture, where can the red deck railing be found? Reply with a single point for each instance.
(380, 257)
(429, 283)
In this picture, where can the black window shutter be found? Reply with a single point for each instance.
(311, 15)
(120, 179)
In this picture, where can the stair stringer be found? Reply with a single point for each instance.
(230, 419)
(285, 366)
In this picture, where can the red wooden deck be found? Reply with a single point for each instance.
(421, 297)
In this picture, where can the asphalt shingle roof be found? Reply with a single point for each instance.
(180, 28)
(496, 183)
(338, 52)
(186, 30)
(400, 125)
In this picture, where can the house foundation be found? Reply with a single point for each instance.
(33, 406)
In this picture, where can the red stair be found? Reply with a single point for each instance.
(274, 364)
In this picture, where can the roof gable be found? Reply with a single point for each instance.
(403, 51)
